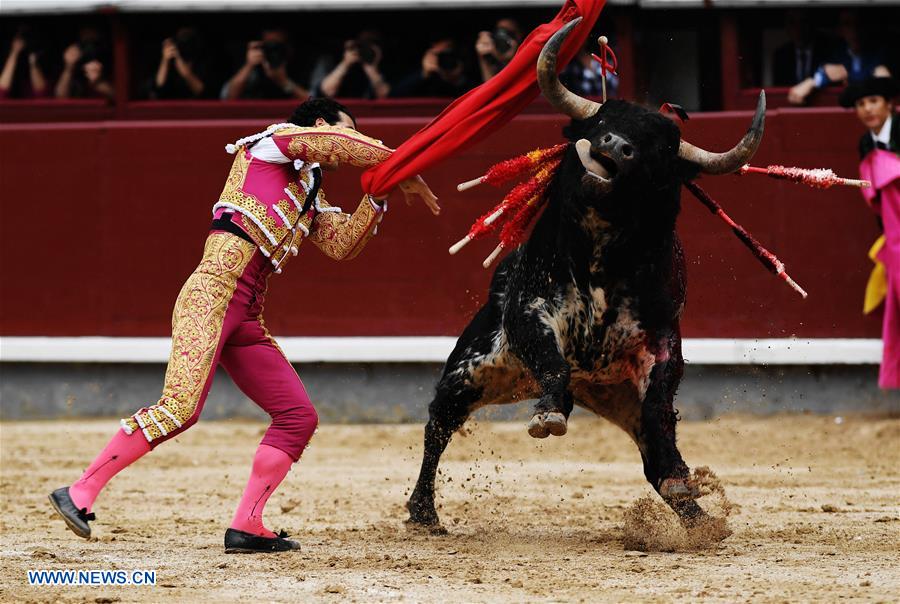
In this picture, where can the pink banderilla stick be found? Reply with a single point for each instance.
(821, 178)
(767, 258)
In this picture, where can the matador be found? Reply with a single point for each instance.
(273, 200)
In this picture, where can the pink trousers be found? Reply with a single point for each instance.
(218, 320)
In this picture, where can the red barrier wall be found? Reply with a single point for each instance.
(101, 222)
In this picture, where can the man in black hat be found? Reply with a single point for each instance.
(879, 149)
(873, 101)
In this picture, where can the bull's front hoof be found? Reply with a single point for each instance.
(425, 527)
(537, 428)
(673, 489)
(556, 423)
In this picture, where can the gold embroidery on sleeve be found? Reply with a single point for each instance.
(342, 236)
(337, 145)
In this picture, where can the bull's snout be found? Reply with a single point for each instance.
(616, 146)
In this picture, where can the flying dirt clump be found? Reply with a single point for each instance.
(651, 526)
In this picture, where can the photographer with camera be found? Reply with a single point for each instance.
(264, 74)
(357, 75)
(179, 73)
(23, 46)
(495, 49)
(443, 74)
(84, 63)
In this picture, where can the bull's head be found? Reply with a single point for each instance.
(621, 145)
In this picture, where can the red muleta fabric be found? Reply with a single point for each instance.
(483, 110)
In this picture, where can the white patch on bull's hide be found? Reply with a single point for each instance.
(501, 376)
(561, 316)
(493, 358)
(598, 295)
(623, 356)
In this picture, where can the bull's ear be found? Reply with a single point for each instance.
(575, 130)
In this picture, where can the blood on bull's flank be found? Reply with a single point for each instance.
(586, 311)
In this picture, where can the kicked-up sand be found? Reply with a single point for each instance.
(812, 505)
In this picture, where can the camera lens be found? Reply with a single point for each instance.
(448, 60)
(366, 52)
(275, 53)
(503, 41)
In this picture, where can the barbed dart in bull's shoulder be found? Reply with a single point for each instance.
(768, 259)
(526, 197)
(820, 178)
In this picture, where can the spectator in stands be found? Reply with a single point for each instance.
(495, 49)
(357, 75)
(798, 59)
(24, 55)
(853, 62)
(181, 69)
(266, 72)
(583, 74)
(84, 68)
(443, 73)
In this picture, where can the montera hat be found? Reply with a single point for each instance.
(883, 86)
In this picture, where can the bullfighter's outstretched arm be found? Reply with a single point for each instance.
(331, 146)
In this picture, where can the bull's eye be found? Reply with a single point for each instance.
(607, 138)
(627, 150)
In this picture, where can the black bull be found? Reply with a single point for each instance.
(586, 312)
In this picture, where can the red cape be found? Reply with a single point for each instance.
(481, 111)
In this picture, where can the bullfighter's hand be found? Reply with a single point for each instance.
(417, 187)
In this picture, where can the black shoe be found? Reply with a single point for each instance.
(239, 542)
(76, 519)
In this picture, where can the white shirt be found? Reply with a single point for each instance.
(884, 135)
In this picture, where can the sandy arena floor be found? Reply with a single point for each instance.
(816, 516)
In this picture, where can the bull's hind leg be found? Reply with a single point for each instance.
(663, 465)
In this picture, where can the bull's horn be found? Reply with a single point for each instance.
(564, 100)
(730, 161)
